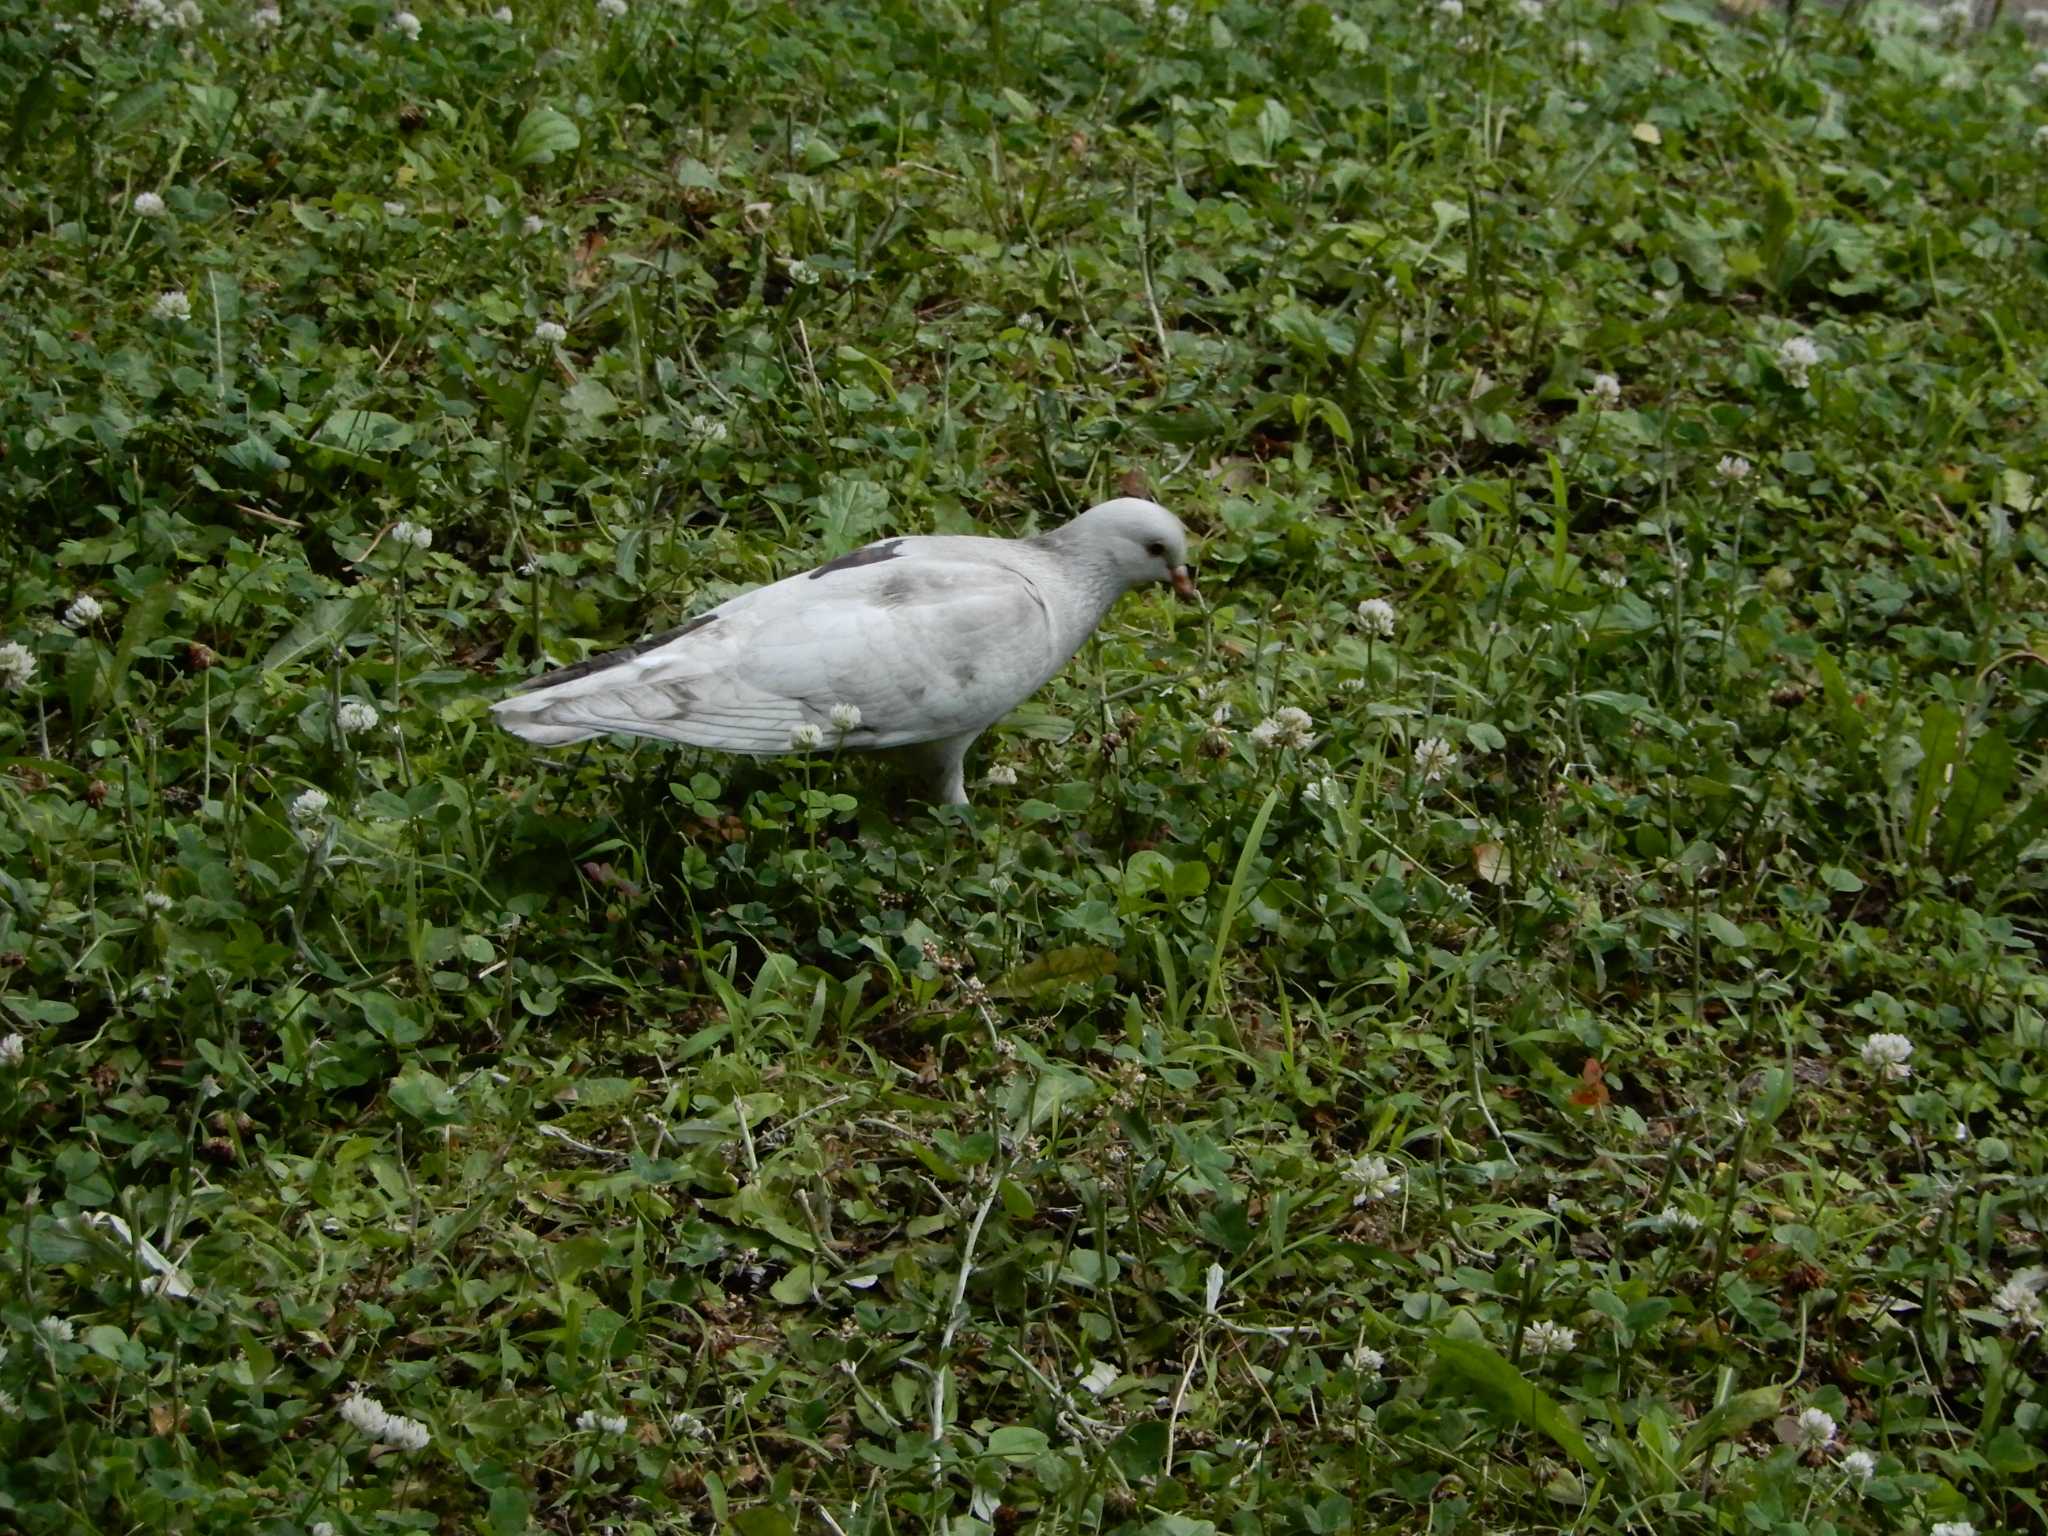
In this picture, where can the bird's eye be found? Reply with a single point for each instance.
(1156, 550)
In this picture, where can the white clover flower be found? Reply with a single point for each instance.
(533, 223)
(801, 272)
(1324, 790)
(548, 333)
(1375, 1177)
(705, 431)
(394, 210)
(1605, 391)
(1289, 727)
(310, 805)
(266, 18)
(406, 25)
(611, 10)
(1797, 354)
(1578, 51)
(2020, 1297)
(610, 1423)
(1548, 1338)
(1859, 1467)
(187, 13)
(1434, 758)
(1675, 1218)
(1376, 617)
(1451, 10)
(1888, 1054)
(85, 611)
(1952, 1528)
(688, 1426)
(58, 1329)
(1219, 717)
(171, 304)
(17, 666)
(412, 534)
(1732, 468)
(377, 1422)
(12, 1049)
(320, 1528)
(1177, 15)
(805, 736)
(1002, 776)
(355, 716)
(1098, 1378)
(1814, 1429)
(9, 1408)
(156, 901)
(845, 717)
(1367, 1361)
(1529, 10)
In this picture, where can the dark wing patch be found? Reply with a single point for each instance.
(616, 658)
(872, 554)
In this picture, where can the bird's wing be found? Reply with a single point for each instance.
(927, 638)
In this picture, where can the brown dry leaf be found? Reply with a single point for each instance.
(1592, 1090)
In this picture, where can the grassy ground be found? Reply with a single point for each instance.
(1583, 1071)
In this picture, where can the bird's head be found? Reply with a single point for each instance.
(1139, 540)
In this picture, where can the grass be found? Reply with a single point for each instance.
(1455, 1112)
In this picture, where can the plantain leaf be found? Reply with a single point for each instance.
(1728, 1419)
(1506, 1390)
(543, 134)
(1064, 967)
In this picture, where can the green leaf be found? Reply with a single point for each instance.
(796, 1288)
(321, 626)
(755, 1207)
(543, 134)
(425, 1097)
(511, 1512)
(850, 513)
(1235, 897)
(364, 432)
(1140, 1451)
(1067, 967)
(1773, 1098)
(1728, 1419)
(1506, 1390)
(1941, 743)
(1019, 1442)
(144, 622)
(1728, 933)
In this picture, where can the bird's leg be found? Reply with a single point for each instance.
(944, 760)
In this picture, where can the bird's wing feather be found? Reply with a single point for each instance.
(926, 640)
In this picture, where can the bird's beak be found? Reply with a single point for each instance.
(1183, 583)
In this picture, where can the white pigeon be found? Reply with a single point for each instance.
(918, 642)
